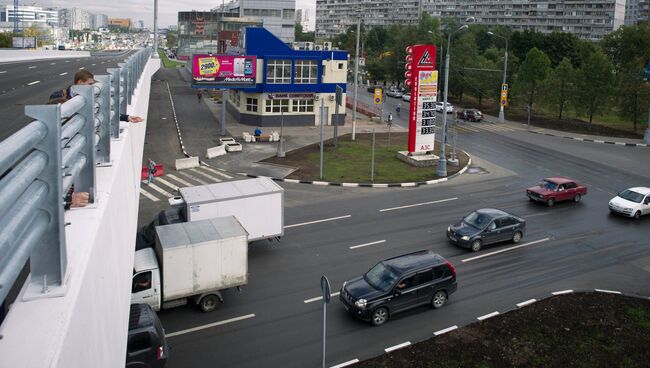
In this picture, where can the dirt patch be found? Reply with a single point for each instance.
(340, 162)
(574, 330)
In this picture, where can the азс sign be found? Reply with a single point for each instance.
(224, 71)
(422, 77)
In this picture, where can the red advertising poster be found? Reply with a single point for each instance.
(423, 79)
(224, 70)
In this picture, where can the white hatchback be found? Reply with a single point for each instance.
(633, 202)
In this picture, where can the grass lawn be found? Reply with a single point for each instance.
(351, 161)
(166, 62)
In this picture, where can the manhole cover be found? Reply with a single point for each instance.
(476, 170)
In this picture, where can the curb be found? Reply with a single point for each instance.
(370, 185)
(483, 318)
(592, 140)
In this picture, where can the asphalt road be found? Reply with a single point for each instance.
(31, 83)
(275, 321)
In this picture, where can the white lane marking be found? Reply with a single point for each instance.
(64, 73)
(216, 172)
(81, 67)
(317, 221)
(345, 364)
(398, 346)
(67, 61)
(527, 302)
(209, 325)
(159, 190)
(210, 177)
(175, 178)
(148, 195)
(94, 64)
(320, 298)
(489, 315)
(367, 244)
(191, 177)
(32, 67)
(52, 63)
(33, 83)
(168, 184)
(569, 291)
(418, 204)
(607, 291)
(2, 72)
(445, 330)
(504, 250)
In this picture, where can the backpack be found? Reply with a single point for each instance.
(61, 93)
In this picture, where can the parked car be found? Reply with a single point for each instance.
(556, 189)
(440, 106)
(146, 344)
(394, 93)
(633, 202)
(486, 226)
(406, 97)
(371, 89)
(470, 114)
(398, 284)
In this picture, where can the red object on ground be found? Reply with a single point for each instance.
(145, 172)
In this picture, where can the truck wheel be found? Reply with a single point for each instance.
(576, 198)
(208, 303)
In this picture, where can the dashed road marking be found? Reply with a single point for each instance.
(504, 250)
(33, 83)
(3, 71)
(320, 298)
(562, 292)
(209, 325)
(607, 291)
(81, 67)
(418, 204)
(64, 73)
(318, 221)
(527, 302)
(345, 364)
(445, 330)
(148, 195)
(489, 315)
(367, 244)
(32, 67)
(398, 346)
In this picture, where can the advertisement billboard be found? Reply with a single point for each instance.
(24, 42)
(224, 71)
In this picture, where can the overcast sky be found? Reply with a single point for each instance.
(143, 10)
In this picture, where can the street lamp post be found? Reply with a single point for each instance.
(646, 138)
(356, 76)
(442, 161)
(155, 29)
(502, 117)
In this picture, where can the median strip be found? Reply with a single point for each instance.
(318, 221)
(504, 250)
(367, 244)
(209, 325)
(418, 204)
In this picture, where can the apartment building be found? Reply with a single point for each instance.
(278, 16)
(76, 18)
(28, 15)
(637, 11)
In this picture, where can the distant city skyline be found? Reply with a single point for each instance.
(141, 10)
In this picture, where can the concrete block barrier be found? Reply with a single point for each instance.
(186, 163)
(213, 152)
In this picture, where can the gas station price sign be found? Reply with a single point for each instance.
(422, 78)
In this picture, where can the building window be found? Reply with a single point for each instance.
(235, 97)
(306, 72)
(277, 105)
(278, 71)
(288, 14)
(303, 106)
(251, 104)
(340, 66)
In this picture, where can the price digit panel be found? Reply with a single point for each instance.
(427, 130)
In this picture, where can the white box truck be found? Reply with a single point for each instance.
(192, 261)
(258, 204)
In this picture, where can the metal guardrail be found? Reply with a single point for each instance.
(41, 162)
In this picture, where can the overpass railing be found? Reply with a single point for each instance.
(56, 153)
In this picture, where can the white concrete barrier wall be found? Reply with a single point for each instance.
(213, 152)
(21, 55)
(186, 163)
(88, 326)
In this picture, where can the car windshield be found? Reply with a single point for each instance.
(380, 277)
(477, 220)
(548, 185)
(631, 196)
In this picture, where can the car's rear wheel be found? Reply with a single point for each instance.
(637, 215)
(577, 198)
(379, 316)
(439, 299)
(550, 202)
(476, 245)
(516, 238)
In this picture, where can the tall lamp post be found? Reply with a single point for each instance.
(502, 117)
(155, 29)
(442, 161)
(356, 76)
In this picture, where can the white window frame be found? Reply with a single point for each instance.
(278, 71)
(306, 72)
(303, 106)
(276, 106)
(251, 104)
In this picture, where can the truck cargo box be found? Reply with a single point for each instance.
(201, 256)
(257, 203)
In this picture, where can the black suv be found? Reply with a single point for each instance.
(397, 284)
(146, 346)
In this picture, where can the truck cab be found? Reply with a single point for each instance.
(145, 286)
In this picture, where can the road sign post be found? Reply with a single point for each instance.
(325, 288)
(339, 100)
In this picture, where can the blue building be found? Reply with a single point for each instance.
(290, 85)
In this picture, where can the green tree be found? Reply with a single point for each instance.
(463, 55)
(481, 82)
(531, 74)
(594, 84)
(172, 39)
(559, 86)
(6, 39)
(301, 36)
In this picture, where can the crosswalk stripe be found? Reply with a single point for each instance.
(192, 177)
(148, 195)
(176, 178)
(168, 184)
(206, 175)
(216, 172)
(160, 190)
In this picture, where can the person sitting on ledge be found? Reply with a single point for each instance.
(258, 132)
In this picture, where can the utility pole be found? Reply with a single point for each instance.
(155, 29)
(646, 138)
(356, 76)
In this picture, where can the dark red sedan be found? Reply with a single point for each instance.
(556, 189)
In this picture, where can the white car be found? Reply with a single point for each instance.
(406, 97)
(394, 93)
(633, 202)
(439, 107)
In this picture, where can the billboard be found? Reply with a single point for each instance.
(224, 71)
(422, 78)
(24, 42)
